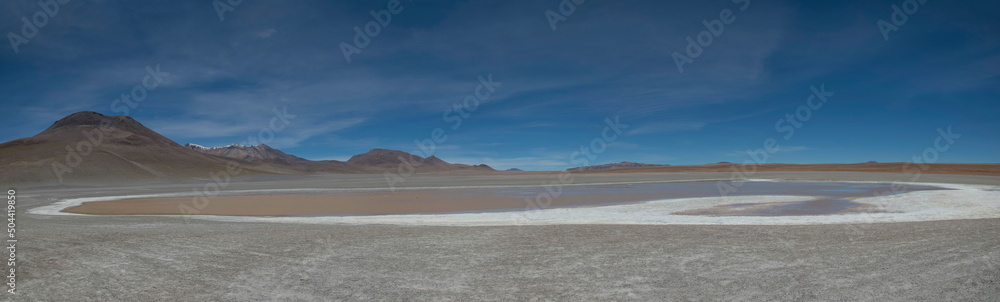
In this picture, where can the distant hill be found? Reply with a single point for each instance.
(392, 159)
(621, 165)
(514, 169)
(903, 168)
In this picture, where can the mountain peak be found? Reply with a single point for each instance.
(122, 124)
(91, 118)
(80, 118)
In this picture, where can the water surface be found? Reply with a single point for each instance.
(824, 198)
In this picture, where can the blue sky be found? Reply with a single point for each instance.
(608, 58)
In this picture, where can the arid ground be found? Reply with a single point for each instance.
(168, 258)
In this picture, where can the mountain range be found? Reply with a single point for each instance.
(612, 166)
(89, 147)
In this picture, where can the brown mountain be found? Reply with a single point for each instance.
(89, 147)
(92, 147)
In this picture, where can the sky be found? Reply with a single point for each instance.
(922, 81)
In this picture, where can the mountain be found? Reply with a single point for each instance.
(392, 159)
(89, 147)
(621, 165)
(258, 153)
(264, 154)
(514, 170)
(374, 161)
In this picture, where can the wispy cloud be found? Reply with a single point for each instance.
(203, 128)
(666, 127)
(265, 33)
(792, 148)
(295, 133)
(780, 149)
(302, 132)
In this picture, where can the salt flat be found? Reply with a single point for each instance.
(161, 258)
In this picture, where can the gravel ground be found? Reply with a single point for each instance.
(142, 258)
